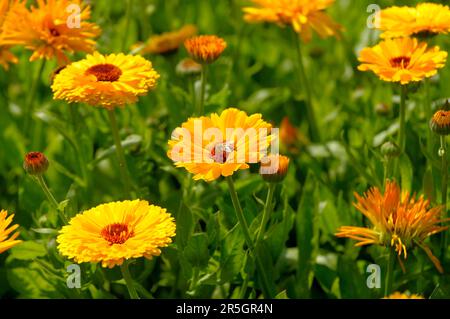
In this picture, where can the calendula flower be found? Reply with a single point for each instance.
(274, 168)
(402, 60)
(107, 81)
(5, 232)
(205, 49)
(398, 220)
(219, 145)
(6, 57)
(111, 233)
(399, 295)
(50, 29)
(423, 20)
(167, 42)
(302, 15)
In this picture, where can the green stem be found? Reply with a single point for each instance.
(201, 102)
(120, 153)
(127, 24)
(389, 272)
(31, 99)
(428, 113)
(266, 287)
(312, 122)
(402, 119)
(444, 188)
(79, 154)
(267, 212)
(51, 198)
(128, 280)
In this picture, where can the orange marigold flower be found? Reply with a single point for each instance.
(50, 29)
(423, 20)
(302, 15)
(398, 220)
(399, 295)
(205, 49)
(6, 57)
(5, 242)
(167, 42)
(402, 60)
(219, 145)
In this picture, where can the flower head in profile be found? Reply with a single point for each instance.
(397, 219)
(303, 16)
(51, 29)
(105, 80)
(440, 123)
(167, 42)
(6, 57)
(188, 67)
(205, 49)
(35, 163)
(274, 168)
(5, 232)
(219, 145)
(425, 19)
(399, 295)
(402, 60)
(111, 233)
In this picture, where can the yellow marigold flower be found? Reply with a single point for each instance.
(6, 57)
(50, 29)
(205, 48)
(399, 295)
(111, 233)
(167, 42)
(425, 19)
(302, 15)
(219, 145)
(107, 81)
(399, 220)
(5, 242)
(402, 60)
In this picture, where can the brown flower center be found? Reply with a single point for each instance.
(54, 32)
(105, 72)
(400, 62)
(220, 152)
(117, 233)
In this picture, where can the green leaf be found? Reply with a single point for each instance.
(196, 251)
(306, 216)
(27, 250)
(185, 226)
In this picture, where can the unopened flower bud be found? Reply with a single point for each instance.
(440, 123)
(390, 150)
(35, 163)
(274, 168)
(188, 67)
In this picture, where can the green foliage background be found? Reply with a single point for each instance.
(256, 74)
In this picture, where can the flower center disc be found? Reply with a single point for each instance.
(400, 62)
(116, 233)
(105, 72)
(220, 152)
